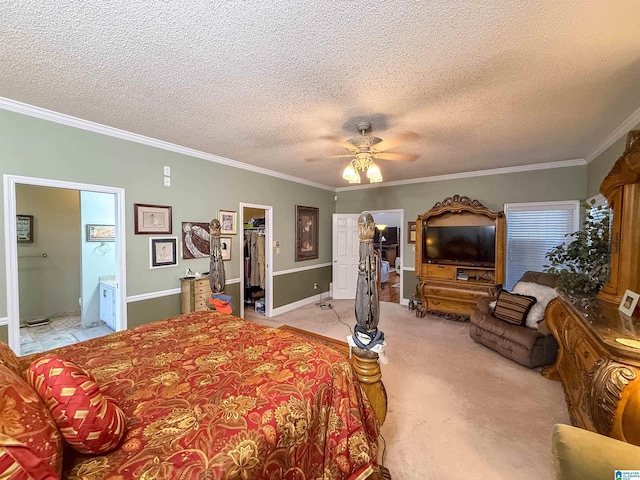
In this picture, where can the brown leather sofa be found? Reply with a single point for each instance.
(529, 347)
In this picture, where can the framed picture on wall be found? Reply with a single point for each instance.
(411, 232)
(24, 228)
(228, 221)
(152, 219)
(307, 227)
(195, 240)
(101, 233)
(163, 252)
(225, 246)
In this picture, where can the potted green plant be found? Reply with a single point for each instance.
(583, 264)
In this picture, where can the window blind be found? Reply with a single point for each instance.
(599, 207)
(532, 230)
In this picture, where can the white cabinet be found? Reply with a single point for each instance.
(108, 304)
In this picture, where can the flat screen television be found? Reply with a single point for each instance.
(464, 245)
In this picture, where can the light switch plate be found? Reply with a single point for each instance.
(167, 171)
(167, 181)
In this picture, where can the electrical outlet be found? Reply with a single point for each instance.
(167, 181)
(315, 286)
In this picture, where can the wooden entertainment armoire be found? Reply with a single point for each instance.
(599, 346)
(454, 289)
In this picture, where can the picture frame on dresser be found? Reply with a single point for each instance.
(629, 302)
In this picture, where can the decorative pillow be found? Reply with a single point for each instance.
(89, 421)
(9, 359)
(25, 419)
(543, 296)
(17, 461)
(512, 307)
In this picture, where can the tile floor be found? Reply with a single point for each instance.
(60, 332)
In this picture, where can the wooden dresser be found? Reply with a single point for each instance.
(194, 293)
(600, 375)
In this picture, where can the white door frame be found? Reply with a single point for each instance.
(400, 242)
(268, 256)
(11, 247)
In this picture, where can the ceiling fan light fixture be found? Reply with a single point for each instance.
(373, 173)
(349, 173)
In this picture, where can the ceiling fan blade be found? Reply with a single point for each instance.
(398, 157)
(318, 159)
(396, 141)
(341, 142)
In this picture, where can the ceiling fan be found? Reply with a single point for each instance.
(365, 149)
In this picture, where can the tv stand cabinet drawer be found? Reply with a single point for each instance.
(444, 272)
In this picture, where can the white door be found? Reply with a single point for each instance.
(345, 255)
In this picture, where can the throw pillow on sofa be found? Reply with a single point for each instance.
(512, 307)
(543, 296)
(88, 421)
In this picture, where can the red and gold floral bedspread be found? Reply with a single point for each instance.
(211, 396)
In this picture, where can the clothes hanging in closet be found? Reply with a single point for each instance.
(254, 258)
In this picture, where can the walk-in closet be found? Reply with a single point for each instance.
(253, 226)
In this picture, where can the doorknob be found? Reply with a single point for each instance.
(335, 261)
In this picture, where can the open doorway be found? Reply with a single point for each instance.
(387, 242)
(64, 246)
(256, 293)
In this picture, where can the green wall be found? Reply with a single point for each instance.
(49, 286)
(493, 191)
(600, 166)
(199, 188)
(295, 286)
(38, 148)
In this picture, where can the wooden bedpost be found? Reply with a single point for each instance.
(365, 361)
(216, 265)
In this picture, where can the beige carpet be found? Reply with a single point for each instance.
(456, 408)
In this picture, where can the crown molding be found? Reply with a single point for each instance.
(477, 173)
(622, 130)
(63, 119)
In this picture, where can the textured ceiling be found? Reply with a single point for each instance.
(484, 84)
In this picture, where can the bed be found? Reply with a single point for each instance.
(203, 395)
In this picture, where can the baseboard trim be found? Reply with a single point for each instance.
(4, 321)
(300, 303)
(404, 301)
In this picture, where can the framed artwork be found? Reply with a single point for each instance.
(195, 240)
(411, 232)
(24, 228)
(228, 221)
(152, 219)
(101, 233)
(225, 246)
(629, 302)
(163, 252)
(306, 233)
